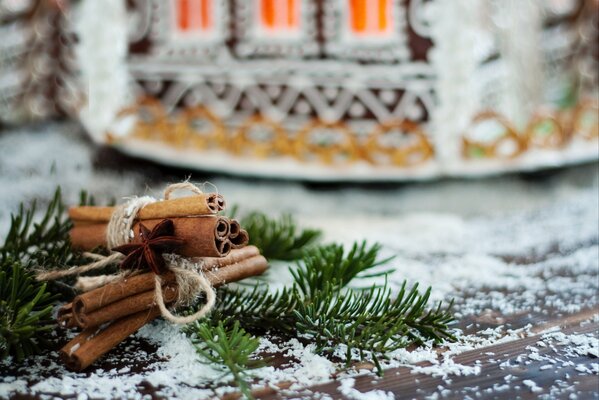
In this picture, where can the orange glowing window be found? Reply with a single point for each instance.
(370, 17)
(280, 15)
(194, 15)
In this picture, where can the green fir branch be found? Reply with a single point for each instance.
(371, 321)
(331, 265)
(320, 307)
(39, 244)
(25, 303)
(259, 310)
(25, 311)
(280, 238)
(228, 345)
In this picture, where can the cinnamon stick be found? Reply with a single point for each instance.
(203, 204)
(88, 302)
(240, 240)
(233, 257)
(204, 236)
(91, 301)
(235, 227)
(65, 316)
(77, 341)
(91, 344)
(238, 237)
(252, 266)
(87, 311)
(143, 301)
(127, 306)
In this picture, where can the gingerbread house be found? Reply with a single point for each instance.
(341, 89)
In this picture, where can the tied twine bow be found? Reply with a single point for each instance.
(190, 281)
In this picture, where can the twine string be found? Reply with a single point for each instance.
(190, 284)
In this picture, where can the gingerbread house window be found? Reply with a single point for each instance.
(188, 29)
(369, 18)
(280, 16)
(284, 28)
(193, 16)
(368, 30)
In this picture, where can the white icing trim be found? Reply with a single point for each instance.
(519, 26)
(139, 20)
(455, 60)
(10, 8)
(101, 53)
(353, 85)
(420, 18)
(15, 37)
(559, 8)
(287, 168)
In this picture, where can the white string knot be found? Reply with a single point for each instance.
(191, 283)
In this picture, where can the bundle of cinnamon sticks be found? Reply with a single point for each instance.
(110, 313)
(205, 233)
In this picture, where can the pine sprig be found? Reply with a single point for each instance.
(39, 244)
(371, 320)
(228, 345)
(330, 265)
(25, 311)
(258, 309)
(26, 304)
(280, 238)
(318, 306)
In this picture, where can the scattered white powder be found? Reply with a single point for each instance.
(347, 389)
(447, 367)
(532, 386)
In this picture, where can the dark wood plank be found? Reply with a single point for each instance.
(490, 383)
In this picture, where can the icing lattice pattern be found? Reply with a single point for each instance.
(399, 144)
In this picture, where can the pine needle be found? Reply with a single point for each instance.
(40, 244)
(229, 346)
(25, 311)
(319, 306)
(331, 265)
(25, 303)
(280, 238)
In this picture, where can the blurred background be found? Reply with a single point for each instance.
(317, 107)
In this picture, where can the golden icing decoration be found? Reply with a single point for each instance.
(509, 140)
(413, 152)
(337, 143)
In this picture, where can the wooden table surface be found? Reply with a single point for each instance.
(490, 383)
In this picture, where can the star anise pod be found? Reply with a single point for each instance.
(148, 253)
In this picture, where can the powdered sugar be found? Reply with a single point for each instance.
(347, 389)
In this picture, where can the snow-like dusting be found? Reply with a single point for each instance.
(347, 389)
(532, 386)
(557, 351)
(486, 243)
(182, 358)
